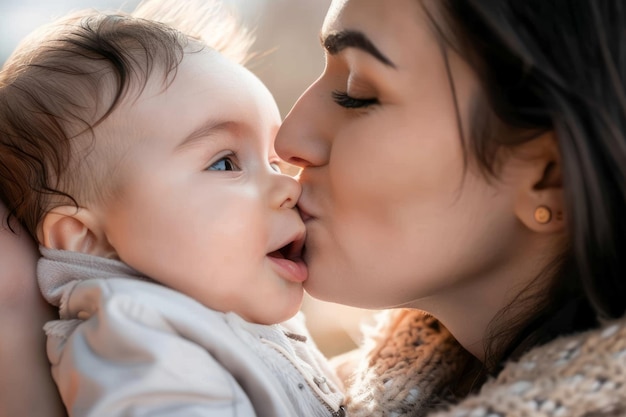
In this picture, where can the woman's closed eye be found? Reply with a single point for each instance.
(224, 164)
(344, 100)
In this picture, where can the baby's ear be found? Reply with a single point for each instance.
(74, 229)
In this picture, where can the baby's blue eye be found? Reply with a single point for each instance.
(224, 164)
(276, 167)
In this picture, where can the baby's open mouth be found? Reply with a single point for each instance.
(288, 259)
(291, 251)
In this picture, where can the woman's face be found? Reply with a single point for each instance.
(393, 216)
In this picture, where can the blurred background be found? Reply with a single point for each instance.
(290, 58)
(286, 32)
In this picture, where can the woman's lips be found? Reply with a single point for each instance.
(304, 215)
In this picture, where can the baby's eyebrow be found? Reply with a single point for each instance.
(204, 130)
(335, 42)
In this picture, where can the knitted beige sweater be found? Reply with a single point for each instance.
(409, 360)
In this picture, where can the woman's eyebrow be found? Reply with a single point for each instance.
(335, 42)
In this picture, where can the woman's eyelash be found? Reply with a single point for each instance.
(344, 100)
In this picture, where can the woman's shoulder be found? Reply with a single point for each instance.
(576, 355)
(581, 374)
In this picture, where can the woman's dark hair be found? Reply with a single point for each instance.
(554, 65)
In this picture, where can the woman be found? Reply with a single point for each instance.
(468, 158)
(26, 387)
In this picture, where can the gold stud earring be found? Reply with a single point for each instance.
(543, 215)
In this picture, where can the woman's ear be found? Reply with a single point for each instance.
(74, 229)
(539, 204)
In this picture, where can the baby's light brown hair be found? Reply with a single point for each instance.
(68, 77)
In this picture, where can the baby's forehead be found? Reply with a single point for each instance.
(205, 88)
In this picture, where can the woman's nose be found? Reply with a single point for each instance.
(300, 140)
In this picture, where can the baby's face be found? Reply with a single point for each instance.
(204, 208)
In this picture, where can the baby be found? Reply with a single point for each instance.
(141, 158)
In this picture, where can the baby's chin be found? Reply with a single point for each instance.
(277, 315)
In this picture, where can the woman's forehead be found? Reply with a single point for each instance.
(368, 12)
(398, 33)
